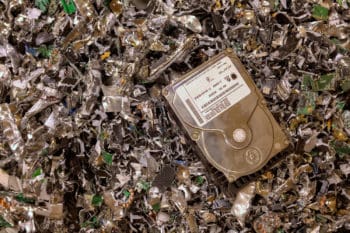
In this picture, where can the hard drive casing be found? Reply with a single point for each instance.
(225, 114)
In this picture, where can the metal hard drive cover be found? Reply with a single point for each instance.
(223, 111)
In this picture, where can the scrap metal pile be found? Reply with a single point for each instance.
(87, 143)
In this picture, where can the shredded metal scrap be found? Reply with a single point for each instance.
(87, 145)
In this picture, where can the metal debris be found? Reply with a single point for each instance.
(87, 143)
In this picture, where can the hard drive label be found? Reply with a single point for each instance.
(212, 91)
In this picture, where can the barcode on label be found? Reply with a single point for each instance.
(218, 108)
(193, 109)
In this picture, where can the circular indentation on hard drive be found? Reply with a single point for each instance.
(252, 156)
(239, 135)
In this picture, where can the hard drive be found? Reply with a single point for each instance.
(226, 116)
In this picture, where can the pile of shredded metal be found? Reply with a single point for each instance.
(87, 144)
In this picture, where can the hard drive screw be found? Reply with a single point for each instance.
(165, 92)
(195, 135)
(277, 146)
